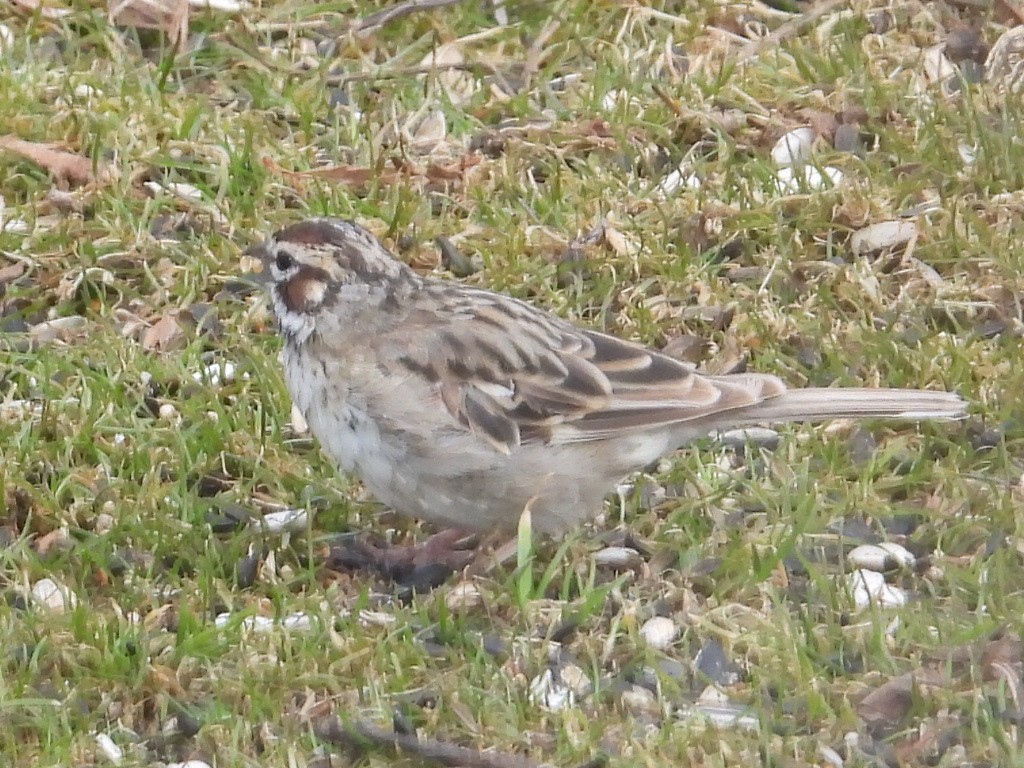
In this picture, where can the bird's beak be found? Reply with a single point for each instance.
(256, 264)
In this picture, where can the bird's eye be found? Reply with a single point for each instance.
(284, 261)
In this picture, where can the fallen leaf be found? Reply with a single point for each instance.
(11, 272)
(58, 329)
(164, 333)
(168, 16)
(64, 165)
(46, 11)
(891, 701)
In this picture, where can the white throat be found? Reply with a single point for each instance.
(296, 326)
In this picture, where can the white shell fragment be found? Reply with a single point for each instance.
(283, 521)
(659, 632)
(227, 6)
(297, 622)
(717, 708)
(674, 181)
(870, 588)
(938, 68)
(299, 425)
(110, 750)
(794, 148)
(53, 596)
(189, 192)
(11, 226)
(792, 180)
(548, 693)
(6, 38)
(884, 234)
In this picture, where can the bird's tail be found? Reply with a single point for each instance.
(817, 403)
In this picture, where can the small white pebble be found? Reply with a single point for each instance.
(870, 588)
(119, 439)
(213, 417)
(871, 557)
(618, 558)
(85, 91)
(794, 148)
(168, 412)
(110, 750)
(739, 438)
(189, 764)
(54, 596)
(659, 632)
(145, 377)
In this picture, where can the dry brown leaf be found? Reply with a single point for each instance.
(168, 16)
(64, 165)
(11, 272)
(1000, 655)
(46, 11)
(890, 702)
(931, 741)
(163, 334)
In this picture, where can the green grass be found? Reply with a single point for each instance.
(108, 485)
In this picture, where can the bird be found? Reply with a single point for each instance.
(463, 407)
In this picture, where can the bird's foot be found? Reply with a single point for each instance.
(425, 565)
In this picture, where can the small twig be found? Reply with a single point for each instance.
(536, 51)
(360, 733)
(395, 74)
(788, 30)
(377, 20)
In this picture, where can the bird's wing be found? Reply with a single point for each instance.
(514, 374)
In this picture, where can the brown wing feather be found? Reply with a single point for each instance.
(515, 382)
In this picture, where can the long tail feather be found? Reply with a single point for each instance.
(818, 403)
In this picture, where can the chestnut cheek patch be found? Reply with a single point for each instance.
(305, 291)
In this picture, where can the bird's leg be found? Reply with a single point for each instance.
(428, 563)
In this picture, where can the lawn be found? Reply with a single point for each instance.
(830, 192)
